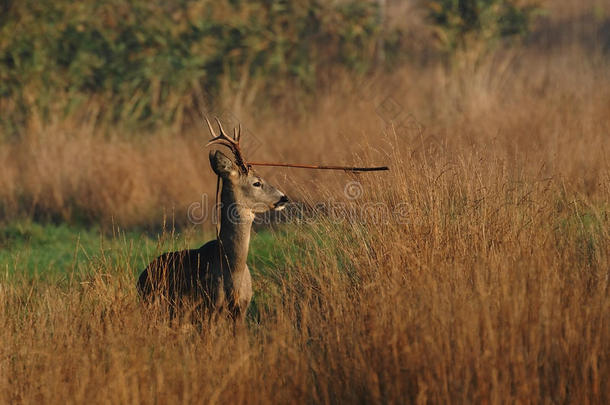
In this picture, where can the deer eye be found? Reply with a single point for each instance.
(257, 184)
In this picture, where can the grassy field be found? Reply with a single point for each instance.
(55, 251)
(491, 286)
(477, 270)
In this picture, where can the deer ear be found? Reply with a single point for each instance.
(222, 165)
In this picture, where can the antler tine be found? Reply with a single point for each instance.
(222, 131)
(231, 143)
(210, 128)
(222, 139)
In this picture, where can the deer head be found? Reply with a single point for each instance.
(241, 185)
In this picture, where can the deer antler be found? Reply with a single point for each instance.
(231, 143)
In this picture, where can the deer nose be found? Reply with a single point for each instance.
(282, 201)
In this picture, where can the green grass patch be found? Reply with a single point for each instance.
(587, 230)
(52, 251)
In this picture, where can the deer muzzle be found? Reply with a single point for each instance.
(281, 203)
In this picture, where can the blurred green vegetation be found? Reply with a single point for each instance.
(150, 63)
(59, 251)
(587, 230)
(155, 62)
(463, 23)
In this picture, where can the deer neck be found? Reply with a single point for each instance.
(235, 226)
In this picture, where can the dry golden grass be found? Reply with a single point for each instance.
(493, 288)
(541, 110)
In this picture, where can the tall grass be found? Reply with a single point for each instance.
(492, 286)
(543, 115)
(478, 272)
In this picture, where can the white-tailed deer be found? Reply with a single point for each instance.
(216, 275)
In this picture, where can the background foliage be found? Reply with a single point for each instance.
(461, 22)
(151, 61)
(148, 63)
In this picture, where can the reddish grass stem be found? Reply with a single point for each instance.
(322, 167)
